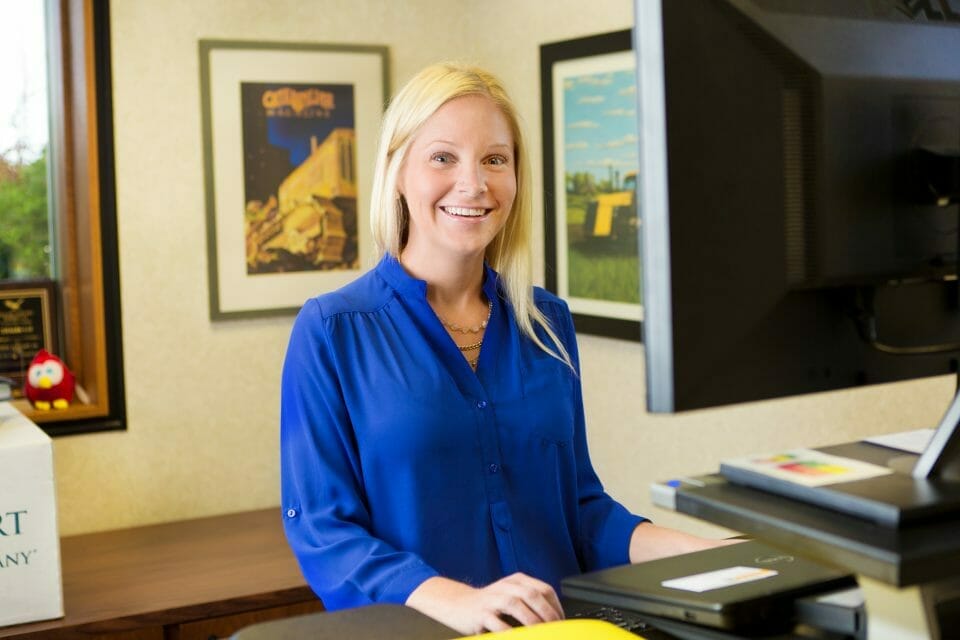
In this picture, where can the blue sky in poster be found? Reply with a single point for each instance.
(600, 123)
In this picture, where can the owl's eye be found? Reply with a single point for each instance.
(53, 370)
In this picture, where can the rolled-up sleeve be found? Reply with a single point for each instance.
(325, 513)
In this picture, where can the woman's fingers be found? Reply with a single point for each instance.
(529, 600)
(516, 611)
(493, 622)
(516, 599)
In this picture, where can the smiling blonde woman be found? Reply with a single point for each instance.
(433, 442)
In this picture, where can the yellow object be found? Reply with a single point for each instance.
(607, 204)
(564, 630)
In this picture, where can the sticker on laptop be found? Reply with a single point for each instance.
(719, 579)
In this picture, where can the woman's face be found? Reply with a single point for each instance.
(459, 179)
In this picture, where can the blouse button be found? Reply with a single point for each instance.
(482, 404)
(291, 513)
(494, 467)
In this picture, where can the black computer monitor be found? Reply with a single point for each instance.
(800, 162)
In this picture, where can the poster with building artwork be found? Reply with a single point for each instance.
(289, 141)
(300, 188)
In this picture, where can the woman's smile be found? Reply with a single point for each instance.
(465, 212)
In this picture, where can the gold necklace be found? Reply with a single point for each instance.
(453, 326)
(472, 347)
(474, 360)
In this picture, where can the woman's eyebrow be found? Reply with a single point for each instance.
(495, 145)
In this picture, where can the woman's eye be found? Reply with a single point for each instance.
(497, 160)
(442, 158)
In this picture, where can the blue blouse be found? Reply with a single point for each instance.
(399, 463)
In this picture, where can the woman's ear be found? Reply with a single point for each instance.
(399, 184)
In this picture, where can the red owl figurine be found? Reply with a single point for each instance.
(49, 382)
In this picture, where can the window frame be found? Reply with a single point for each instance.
(86, 261)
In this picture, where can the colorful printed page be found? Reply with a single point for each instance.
(809, 467)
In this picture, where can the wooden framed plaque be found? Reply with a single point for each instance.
(27, 324)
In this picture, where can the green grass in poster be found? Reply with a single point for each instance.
(599, 268)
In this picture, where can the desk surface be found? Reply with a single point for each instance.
(174, 572)
(374, 622)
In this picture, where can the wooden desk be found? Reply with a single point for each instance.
(195, 579)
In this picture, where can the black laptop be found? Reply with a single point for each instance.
(744, 586)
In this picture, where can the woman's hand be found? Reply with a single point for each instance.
(472, 610)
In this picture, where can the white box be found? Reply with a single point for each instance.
(30, 582)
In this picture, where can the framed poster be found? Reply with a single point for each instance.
(591, 164)
(289, 138)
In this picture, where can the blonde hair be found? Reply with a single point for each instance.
(509, 252)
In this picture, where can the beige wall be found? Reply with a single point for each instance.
(202, 397)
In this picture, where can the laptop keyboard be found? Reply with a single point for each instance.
(623, 619)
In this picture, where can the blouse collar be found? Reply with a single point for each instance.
(397, 277)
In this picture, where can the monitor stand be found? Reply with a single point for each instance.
(941, 458)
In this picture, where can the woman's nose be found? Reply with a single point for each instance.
(472, 181)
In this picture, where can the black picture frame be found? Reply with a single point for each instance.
(239, 229)
(611, 244)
